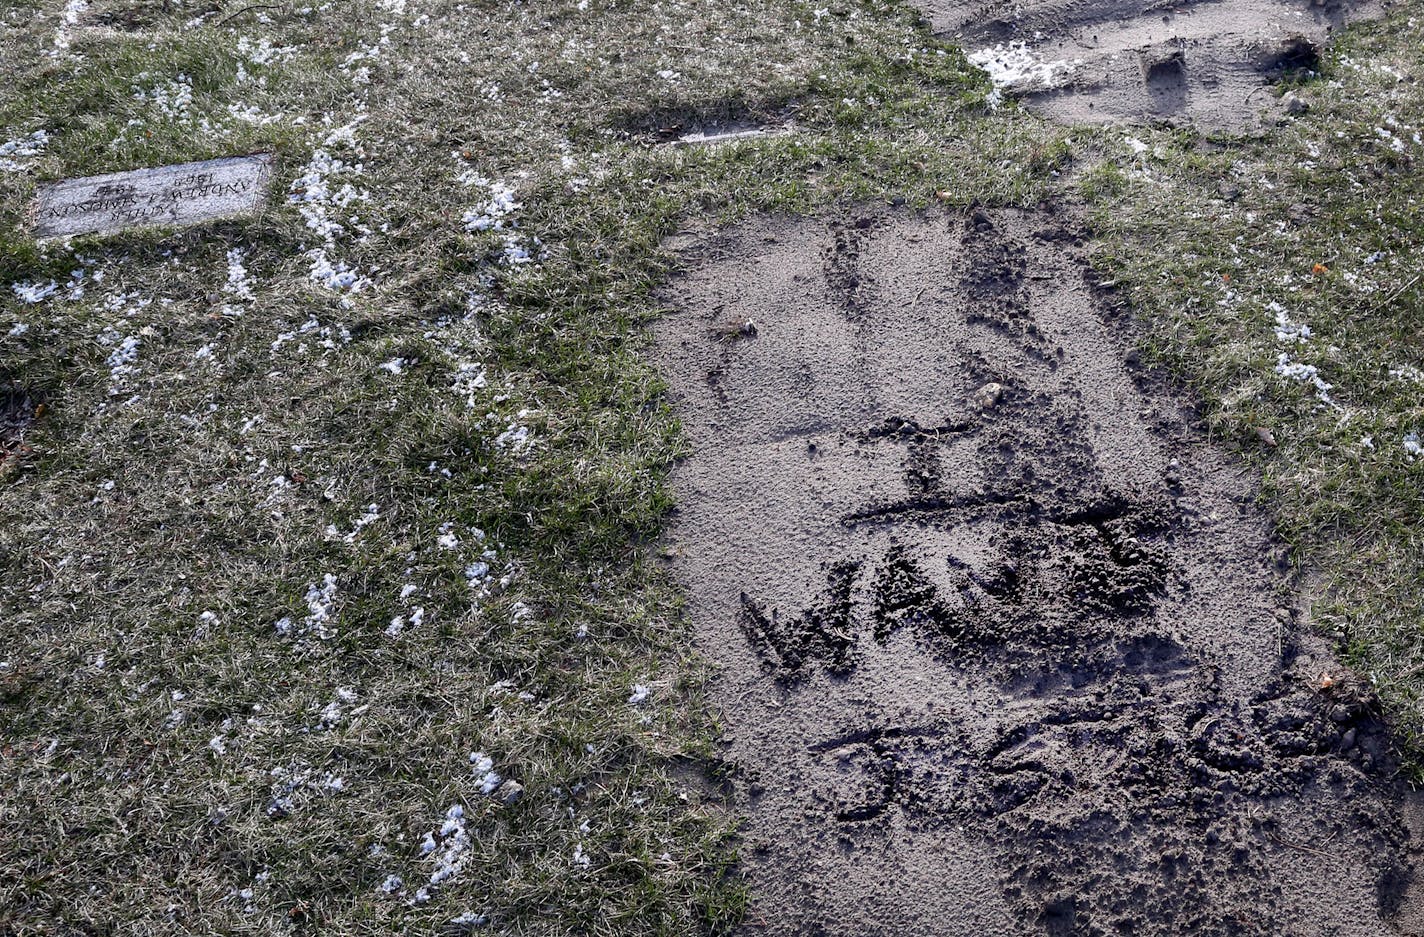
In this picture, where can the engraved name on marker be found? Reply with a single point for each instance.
(167, 195)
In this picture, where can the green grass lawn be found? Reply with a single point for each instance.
(1281, 277)
(334, 514)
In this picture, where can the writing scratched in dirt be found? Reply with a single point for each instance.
(1029, 668)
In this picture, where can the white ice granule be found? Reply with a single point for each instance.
(485, 776)
(516, 439)
(372, 514)
(320, 599)
(1306, 374)
(449, 848)
(251, 114)
(238, 285)
(173, 99)
(1016, 67)
(1288, 331)
(337, 276)
(68, 19)
(32, 293)
(639, 694)
(470, 919)
(15, 154)
(328, 336)
(121, 359)
(494, 210)
(468, 381)
(516, 252)
(325, 183)
(262, 52)
(1412, 446)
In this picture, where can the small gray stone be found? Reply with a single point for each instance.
(988, 396)
(1294, 105)
(186, 194)
(510, 791)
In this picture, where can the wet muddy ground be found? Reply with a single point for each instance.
(1004, 645)
(1204, 62)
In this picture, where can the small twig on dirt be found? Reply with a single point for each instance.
(916, 301)
(1318, 852)
(246, 9)
(731, 331)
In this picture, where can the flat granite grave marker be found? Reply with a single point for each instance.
(167, 195)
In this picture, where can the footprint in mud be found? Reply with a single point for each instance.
(1003, 645)
(1203, 61)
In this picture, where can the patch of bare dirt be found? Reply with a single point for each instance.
(1005, 646)
(18, 410)
(1205, 62)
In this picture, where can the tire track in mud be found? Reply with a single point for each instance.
(1004, 646)
(1205, 62)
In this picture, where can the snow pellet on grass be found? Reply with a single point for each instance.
(263, 52)
(1017, 67)
(487, 779)
(172, 98)
(34, 293)
(121, 360)
(448, 847)
(325, 187)
(320, 600)
(16, 155)
(238, 285)
(68, 19)
(1306, 374)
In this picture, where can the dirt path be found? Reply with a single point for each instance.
(1206, 62)
(1004, 645)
